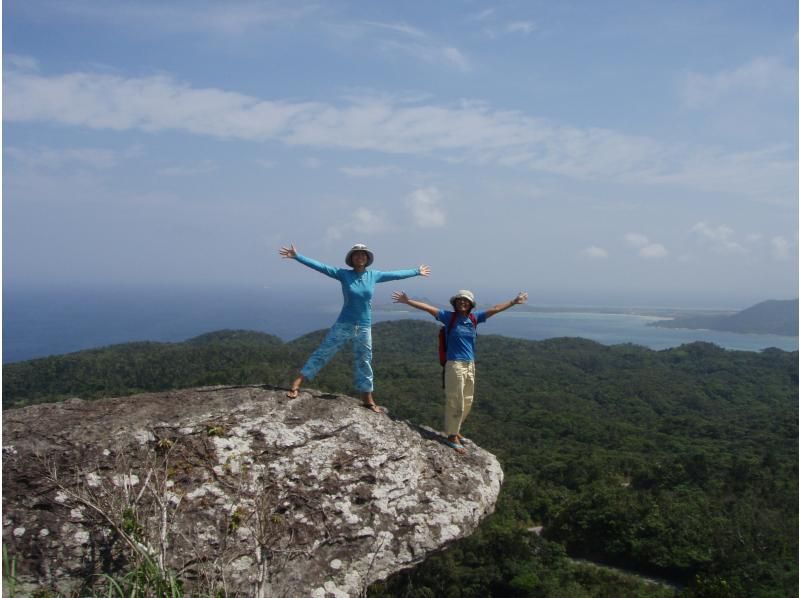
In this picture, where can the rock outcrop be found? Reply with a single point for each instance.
(234, 488)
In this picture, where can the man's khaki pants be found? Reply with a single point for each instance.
(459, 389)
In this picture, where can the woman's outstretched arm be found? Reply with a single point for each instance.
(423, 270)
(291, 253)
(521, 297)
(401, 297)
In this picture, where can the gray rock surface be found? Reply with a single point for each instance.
(234, 488)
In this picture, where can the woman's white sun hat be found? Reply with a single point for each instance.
(358, 247)
(463, 294)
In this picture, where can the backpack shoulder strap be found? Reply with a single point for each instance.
(452, 321)
(444, 332)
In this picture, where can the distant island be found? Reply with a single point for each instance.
(767, 317)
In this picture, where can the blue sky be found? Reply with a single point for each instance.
(587, 152)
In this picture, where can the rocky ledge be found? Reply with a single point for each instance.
(236, 489)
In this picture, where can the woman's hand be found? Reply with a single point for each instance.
(400, 297)
(288, 252)
(424, 270)
(521, 297)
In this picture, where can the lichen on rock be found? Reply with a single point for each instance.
(234, 487)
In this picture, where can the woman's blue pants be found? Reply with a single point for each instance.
(338, 335)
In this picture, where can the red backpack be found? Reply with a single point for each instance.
(444, 331)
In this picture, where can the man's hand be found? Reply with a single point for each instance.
(400, 297)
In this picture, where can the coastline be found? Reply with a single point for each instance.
(55, 324)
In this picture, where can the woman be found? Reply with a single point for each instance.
(355, 320)
(459, 374)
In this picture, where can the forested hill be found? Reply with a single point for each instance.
(767, 317)
(679, 463)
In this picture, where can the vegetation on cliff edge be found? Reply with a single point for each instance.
(679, 463)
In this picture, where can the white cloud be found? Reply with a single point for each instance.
(425, 209)
(654, 250)
(646, 248)
(594, 252)
(720, 238)
(423, 47)
(398, 27)
(525, 27)
(780, 248)
(229, 19)
(100, 101)
(717, 234)
(760, 75)
(469, 132)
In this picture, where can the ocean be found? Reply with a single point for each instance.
(41, 322)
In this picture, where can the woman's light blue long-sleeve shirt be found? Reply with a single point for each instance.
(357, 288)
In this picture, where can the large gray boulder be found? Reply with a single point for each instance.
(233, 488)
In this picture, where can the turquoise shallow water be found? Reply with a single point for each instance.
(47, 322)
